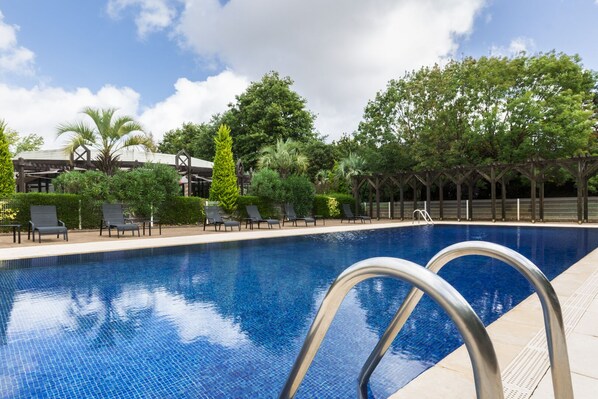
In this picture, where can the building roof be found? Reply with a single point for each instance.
(127, 156)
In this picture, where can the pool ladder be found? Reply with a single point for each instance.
(487, 377)
(422, 214)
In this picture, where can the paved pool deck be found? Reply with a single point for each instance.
(518, 336)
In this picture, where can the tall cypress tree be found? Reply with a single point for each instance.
(224, 181)
(7, 171)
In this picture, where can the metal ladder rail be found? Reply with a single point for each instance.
(486, 372)
(551, 309)
(424, 214)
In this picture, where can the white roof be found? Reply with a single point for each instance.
(125, 155)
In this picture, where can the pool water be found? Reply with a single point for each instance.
(227, 320)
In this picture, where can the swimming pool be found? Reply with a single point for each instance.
(227, 320)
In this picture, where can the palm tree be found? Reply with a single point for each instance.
(284, 157)
(109, 134)
(351, 166)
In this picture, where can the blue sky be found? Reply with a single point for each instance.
(172, 61)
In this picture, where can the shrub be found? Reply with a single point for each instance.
(91, 184)
(67, 208)
(299, 191)
(330, 205)
(182, 210)
(267, 185)
(266, 208)
(146, 187)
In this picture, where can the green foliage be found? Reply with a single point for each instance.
(196, 139)
(479, 111)
(285, 157)
(299, 191)
(91, 184)
(7, 177)
(266, 208)
(143, 188)
(320, 156)
(108, 134)
(17, 144)
(267, 185)
(67, 208)
(182, 210)
(224, 180)
(266, 112)
(329, 205)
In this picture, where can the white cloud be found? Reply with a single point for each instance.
(193, 102)
(517, 46)
(13, 58)
(154, 15)
(40, 109)
(339, 53)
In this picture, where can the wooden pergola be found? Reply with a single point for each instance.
(536, 171)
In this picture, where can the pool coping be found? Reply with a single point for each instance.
(520, 343)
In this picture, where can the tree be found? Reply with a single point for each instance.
(196, 139)
(479, 111)
(347, 168)
(109, 134)
(284, 157)
(7, 172)
(266, 112)
(320, 156)
(224, 181)
(17, 144)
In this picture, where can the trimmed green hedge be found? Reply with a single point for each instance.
(266, 208)
(67, 208)
(329, 205)
(182, 210)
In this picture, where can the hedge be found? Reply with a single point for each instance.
(67, 208)
(266, 208)
(182, 210)
(329, 205)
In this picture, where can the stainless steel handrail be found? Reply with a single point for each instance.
(481, 352)
(424, 214)
(553, 319)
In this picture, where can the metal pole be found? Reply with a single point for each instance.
(481, 352)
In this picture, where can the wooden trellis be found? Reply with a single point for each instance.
(535, 170)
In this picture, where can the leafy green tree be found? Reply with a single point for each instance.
(91, 184)
(108, 134)
(267, 184)
(320, 156)
(479, 111)
(224, 181)
(146, 188)
(7, 173)
(17, 144)
(285, 157)
(351, 166)
(300, 192)
(196, 139)
(266, 112)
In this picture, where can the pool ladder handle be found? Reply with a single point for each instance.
(486, 372)
(551, 309)
(423, 214)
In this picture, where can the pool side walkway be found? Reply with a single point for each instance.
(518, 336)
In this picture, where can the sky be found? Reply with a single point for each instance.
(167, 62)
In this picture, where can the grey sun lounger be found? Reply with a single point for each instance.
(44, 221)
(214, 217)
(291, 216)
(113, 218)
(349, 216)
(254, 217)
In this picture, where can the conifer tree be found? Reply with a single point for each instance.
(224, 181)
(7, 172)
